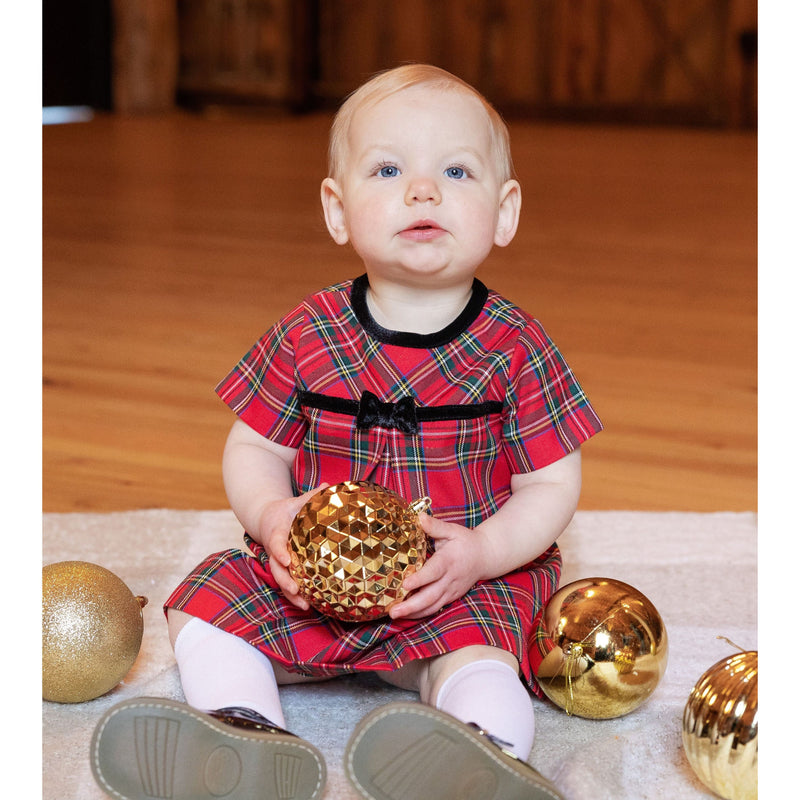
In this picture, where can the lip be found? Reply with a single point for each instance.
(422, 230)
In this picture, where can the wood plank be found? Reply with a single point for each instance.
(170, 243)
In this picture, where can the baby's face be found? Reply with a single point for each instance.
(421, 194)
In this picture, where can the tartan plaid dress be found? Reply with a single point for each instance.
(450, 415)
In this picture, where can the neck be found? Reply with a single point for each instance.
(414, 310)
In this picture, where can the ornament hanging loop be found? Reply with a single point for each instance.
(732, 644)
(574, 653)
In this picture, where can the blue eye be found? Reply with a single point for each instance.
(456, 172)
(388, 171)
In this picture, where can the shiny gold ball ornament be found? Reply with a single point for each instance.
(599, 648)
(91, 631)
(351, 546)
(720, 727)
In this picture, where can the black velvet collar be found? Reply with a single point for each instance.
(358, 299)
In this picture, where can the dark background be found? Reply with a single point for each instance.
(76, 53)
(684, 62)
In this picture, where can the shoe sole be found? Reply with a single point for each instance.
(153, 749)
(410, 751)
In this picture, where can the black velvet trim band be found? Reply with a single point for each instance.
(426, 341)
(355, 408)
(474, 411)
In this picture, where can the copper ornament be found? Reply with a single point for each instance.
(599, 648)
(351, 546)
(92, 630)
(720, 727)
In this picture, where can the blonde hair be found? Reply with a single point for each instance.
(394, 80)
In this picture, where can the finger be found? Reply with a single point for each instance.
(280, 549)
(311, 492)
(298, 601)
(282, 556)
(289, 587)
(277, 547)
(430, 572)
(425, 522)
(413, 610)
(420, 603)
(286, 583)
(437, 528)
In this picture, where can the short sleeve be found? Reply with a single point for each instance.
(547, 412)
(261, 389)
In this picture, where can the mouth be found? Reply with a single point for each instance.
(422, 230)
(423, 225)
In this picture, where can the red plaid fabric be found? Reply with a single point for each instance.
(496, 358)
(235, 591)
(451, 416)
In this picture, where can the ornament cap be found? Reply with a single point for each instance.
(421, 505)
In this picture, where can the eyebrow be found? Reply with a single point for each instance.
(452, 153)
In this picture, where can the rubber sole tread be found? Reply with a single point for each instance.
(155, 749)
(410, 751)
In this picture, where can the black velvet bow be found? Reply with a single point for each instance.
(401, 415)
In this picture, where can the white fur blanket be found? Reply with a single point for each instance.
(699, 570)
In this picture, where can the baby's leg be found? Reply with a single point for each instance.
(477, 684)
(219, 670)
(482, 685)
(398, 751)
(227, 741)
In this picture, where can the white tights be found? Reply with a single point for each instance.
(491, 694)
(220, 670)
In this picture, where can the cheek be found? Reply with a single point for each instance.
(365, 234)
(360, 226)
(479, 221)
(367, 218)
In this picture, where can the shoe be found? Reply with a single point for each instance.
(247, 718)
(410, 751)
(149, 749)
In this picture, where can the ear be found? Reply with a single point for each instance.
(333, 208)
(508, 216)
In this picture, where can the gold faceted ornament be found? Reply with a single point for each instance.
(720, 727)
(598, 648)
(351, 547)
(92, 630)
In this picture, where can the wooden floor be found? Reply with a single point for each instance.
(171, 243)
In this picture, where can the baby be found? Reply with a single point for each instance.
(417, 377)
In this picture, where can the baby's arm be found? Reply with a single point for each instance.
(257, 474)
(541, 505)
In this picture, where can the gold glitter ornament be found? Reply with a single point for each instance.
(91, 631)
(720, 727)
(351, 546)
(599, 648)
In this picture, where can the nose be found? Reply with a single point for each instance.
(422, 189)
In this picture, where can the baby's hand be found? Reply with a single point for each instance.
(448, 574)
(276, 522)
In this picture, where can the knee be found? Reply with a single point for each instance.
(175, 622)
(443, 667)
